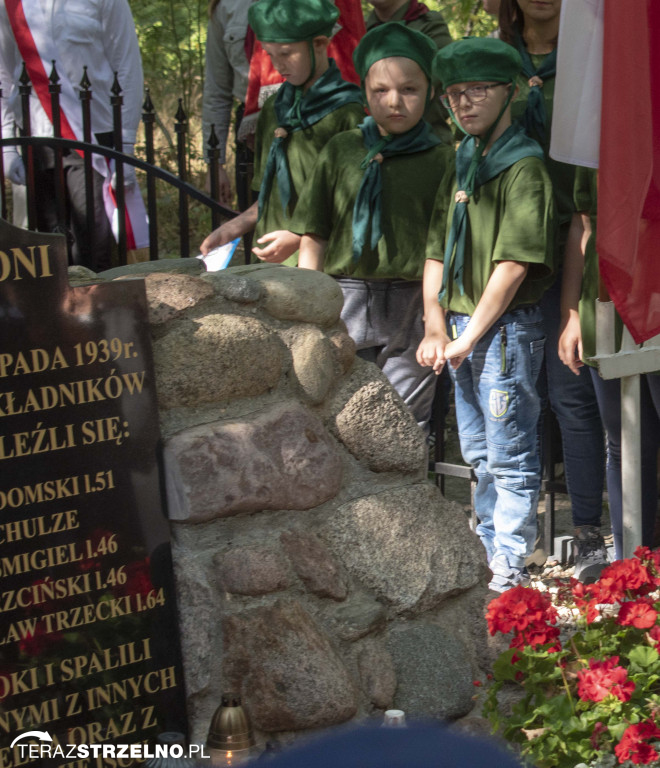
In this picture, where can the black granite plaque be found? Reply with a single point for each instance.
(89, 649)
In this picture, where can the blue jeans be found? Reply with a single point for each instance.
(497, 410)
(573, 401)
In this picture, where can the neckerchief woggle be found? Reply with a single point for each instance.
(534, 117)
(367, 207)
(295, 111)
(473, 170)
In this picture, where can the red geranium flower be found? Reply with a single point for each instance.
(604, 678)
(650, 558)
(642, 553)
(536, 635)
(587, 598)
(518, 608)
(622, 577)
(633, 745)
(654, 634)
(637, 613)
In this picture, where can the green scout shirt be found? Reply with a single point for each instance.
(433, 25)
(586, 201)
(562, 175)
(410, 184)
(511, 218)
(302, 149)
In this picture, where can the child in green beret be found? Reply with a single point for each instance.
(482, 283)
(365, 211)
(312, 105)
(417, 16)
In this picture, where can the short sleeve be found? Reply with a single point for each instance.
(525, 230)
(583, 196)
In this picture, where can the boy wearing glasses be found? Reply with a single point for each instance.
(364, 212)
(482, 283)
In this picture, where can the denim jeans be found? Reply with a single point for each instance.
(497, 410)
(573, 401)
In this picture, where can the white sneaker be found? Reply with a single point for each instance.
(507, 576)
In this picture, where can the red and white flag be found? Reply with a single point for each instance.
(628, 239)
(575, 134)
(628, 152)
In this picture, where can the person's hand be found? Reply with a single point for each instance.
(15, 168)
(431, 351)
(220, 236)
(281, 245)
(225, 196)
(570, 343)
(457, 350)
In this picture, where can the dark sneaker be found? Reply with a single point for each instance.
(506, 576)
(589, 554)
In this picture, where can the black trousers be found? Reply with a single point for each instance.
(90, 248)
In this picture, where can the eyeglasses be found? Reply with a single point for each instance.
(474, 94)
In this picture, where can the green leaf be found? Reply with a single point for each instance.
(617, 730)
(503, 669)
(643, 656)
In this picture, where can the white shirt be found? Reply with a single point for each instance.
(99, 34)
(227, 68)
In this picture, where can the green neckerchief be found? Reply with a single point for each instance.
(367, 208)
(295, 111)
(534, 117)
(511, 146)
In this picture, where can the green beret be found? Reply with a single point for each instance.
(292, 21)
(394, 39)
(476, 58)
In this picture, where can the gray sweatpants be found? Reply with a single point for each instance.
(384, 319)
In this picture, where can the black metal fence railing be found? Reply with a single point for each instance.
(27, 143)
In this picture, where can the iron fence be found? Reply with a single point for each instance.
(186, 191)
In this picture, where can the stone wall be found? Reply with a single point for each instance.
(319, 572)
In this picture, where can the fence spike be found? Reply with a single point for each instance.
(213, 141)
(24, 79)
(85, 83)
(148, 105)
(181, 116)
(54, 76)
(116, 88)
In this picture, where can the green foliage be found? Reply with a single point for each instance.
(465, 17)
(595, 695)
(172, 36)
